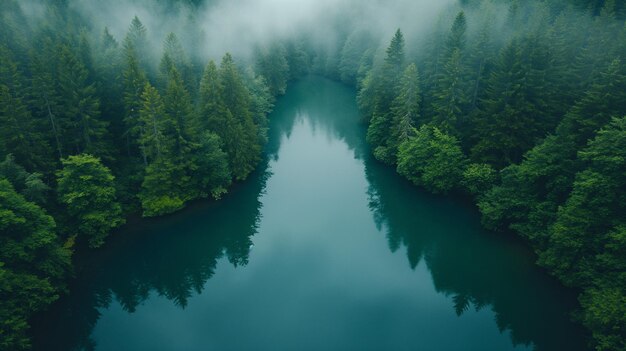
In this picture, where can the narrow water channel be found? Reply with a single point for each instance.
(322, 249)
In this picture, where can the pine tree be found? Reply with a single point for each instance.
(134, 83)
(241, 139)
(137, 42)
(505, 126)
(405, 108)
(382, 88)
(450, 98)
(450, 92)
(353, 49)
(272, 64)
(21, 133)
(109, 66)
(81, 107)
(154, 125)
(211, 105)
(44, 90)
(174, 57)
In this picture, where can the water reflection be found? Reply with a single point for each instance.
(476, 268)
(172, 257)
(175, 257)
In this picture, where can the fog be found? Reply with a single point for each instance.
(238, 26)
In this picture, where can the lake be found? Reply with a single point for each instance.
(322, 248)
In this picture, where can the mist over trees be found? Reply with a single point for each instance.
(520, 105)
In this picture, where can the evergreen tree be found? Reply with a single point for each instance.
(505, 126)
(382, 87)
(29, 185)
(174, 57)
(154, 126)
(450, 90)
(297, 58)
(81, 107)
(211, 167)
(406, 106)
(261, 103)
(272, 64)
(450, 97)
(241, 137)
(134, 83)
(212, 110)
(353, 49)
(109, 65)
(44, 90)
(160, 192)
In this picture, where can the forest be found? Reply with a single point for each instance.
(519, 106)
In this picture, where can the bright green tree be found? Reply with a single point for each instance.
(32, 265)
(87, 189)
(432, 159)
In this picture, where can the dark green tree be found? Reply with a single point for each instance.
(382, 88)
(272, 64)
(241, 137)
(87, 132)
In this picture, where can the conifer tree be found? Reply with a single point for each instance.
(406, 107)
(80, 107)
(134, 83)
(241, 139)
(450, 98)
(382, 87)
(505, 125)
(154, 125)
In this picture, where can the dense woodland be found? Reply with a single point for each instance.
(518, 105)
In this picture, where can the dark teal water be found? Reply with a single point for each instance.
(321, 249)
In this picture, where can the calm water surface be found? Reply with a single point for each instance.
(321, 249)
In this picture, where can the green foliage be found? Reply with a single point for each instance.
(450, 94)
(352, 53)
(160, 191)
(377, 96)
(432, 159)
(273, 66)
(594, 206)
(32, 265)
(240, 135)
(87, 189)
(505, 126)
(30, 185)
(211, 167)
(526, 117)
(478, 178)
(62, 94)
(605, 315)
(81, 108)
